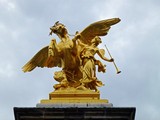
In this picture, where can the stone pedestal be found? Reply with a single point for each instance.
(75, 113)
(73, 98)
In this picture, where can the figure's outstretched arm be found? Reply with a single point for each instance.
(101, 54)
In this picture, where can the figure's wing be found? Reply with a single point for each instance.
(41, 59)
(99, 28)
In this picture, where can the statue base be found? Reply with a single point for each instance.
(74, 105)
(74, 98)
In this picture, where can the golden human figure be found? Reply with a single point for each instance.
(75, 56)
(89, 79)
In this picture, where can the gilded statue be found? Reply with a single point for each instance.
(76, 56)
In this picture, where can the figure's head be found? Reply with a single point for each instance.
(96, 40)
(59, 29)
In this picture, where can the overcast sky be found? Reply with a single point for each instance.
(134, 43)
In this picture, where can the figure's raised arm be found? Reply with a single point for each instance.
(77, 36)
(81, 44)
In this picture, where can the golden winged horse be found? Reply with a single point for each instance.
(71, 54)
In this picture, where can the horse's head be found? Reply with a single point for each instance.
(58, 29)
